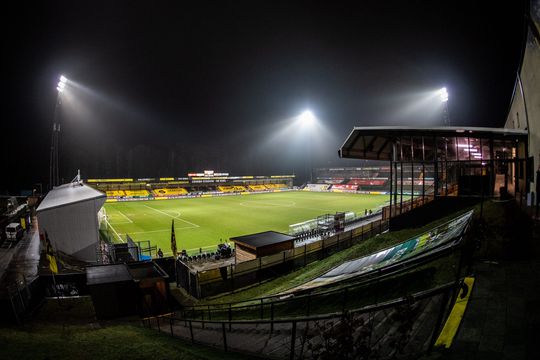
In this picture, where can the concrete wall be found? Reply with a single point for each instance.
(525, 107)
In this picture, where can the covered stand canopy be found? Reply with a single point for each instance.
(426, 162)
(377, 142)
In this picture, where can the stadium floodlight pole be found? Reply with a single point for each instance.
(443, 93)
(54, 177)
(308, 120)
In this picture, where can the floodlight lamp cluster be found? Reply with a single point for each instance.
(307, 118)
(443, 93)
(61, 84)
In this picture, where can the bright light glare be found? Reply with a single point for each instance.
(307, 118)
(61, 84)
(444, 94)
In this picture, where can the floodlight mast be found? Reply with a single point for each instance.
(443, 93)
(54, 177)
(307, 120)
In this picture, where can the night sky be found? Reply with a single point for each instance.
(162, 89)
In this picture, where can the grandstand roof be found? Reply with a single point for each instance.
(262, 239)
(69, 194)
(375, 142)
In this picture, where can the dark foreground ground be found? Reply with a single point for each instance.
(502, 320)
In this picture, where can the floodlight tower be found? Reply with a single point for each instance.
(307, 119)
(54, 178)
(443, 93)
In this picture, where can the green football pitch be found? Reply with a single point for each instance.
(206, 222)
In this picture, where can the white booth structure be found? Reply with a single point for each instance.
(69, 217)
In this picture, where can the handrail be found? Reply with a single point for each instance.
(373, 307)
(290, 338)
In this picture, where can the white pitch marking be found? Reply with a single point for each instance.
(174, 217)
(119, 222)
(155, 231)
(254, 203)
(122, 240)
(128, 219)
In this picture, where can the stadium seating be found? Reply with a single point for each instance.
(316, 187)
(137, 193)
(115, 193)
(257, 188)
(226, 189)
(169, 192)
(275, 186)
(239, 188)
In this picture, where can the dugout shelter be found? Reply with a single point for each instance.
(249, 247)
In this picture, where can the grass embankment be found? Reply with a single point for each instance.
(318, 268)
(71, 331)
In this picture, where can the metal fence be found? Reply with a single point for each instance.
(401, 328)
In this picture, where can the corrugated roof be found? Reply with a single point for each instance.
(69, 194)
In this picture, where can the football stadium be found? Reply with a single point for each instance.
(258, 192)
(236, 210)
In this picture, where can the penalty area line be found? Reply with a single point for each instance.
(128, 219)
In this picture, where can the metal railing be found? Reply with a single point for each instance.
(400, 328)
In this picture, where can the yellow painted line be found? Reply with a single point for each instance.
(422, 240)
(456, 315)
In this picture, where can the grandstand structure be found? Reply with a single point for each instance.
(366, 180)
(416, 180)
(208, 183)
(425, 163)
